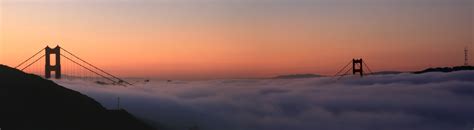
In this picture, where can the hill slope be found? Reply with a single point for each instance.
(445, 69)
(31, 102)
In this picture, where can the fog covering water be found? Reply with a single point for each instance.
(432, 101)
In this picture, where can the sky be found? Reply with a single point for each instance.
(215, 39)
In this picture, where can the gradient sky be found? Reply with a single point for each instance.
(209, 39)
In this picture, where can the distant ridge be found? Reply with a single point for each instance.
(438, 69)
(445, 69)
(297, 76)
(29, 102)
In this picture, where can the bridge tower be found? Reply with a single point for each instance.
(57, 67)
(357, 67)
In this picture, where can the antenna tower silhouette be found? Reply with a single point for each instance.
(466, 60)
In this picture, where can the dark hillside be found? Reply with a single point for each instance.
(31, 102)
(446, 69)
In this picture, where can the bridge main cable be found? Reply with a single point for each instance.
(88, 69)
(337, 74)
(32, 63)
(120, 80)
(368, 67)
(29, 59)
(344, 74)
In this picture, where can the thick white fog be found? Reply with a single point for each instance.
(433, 101)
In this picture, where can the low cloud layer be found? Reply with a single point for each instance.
(433, 101)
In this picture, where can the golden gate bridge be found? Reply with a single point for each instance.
(73, 67)
(359, 66)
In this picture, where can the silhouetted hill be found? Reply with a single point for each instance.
(445, 69)
(297, 76)
(29, 102)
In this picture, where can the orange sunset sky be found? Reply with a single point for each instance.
(211, 39)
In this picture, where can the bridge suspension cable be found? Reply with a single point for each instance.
(362, 64)
(342, 75)
(29, 59)
(368, 68)
(120, 80)
(87, 68)
(76, 61)
(343, 68)
(32, 63)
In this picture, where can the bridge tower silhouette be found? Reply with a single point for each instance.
(358, 67)
(76, 67)
(57, 67)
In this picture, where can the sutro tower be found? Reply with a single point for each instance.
(466, 60)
